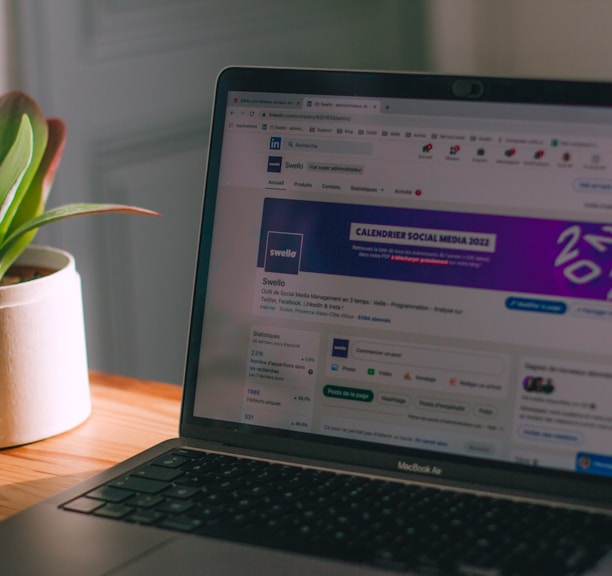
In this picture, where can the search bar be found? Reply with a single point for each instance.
(329, 146)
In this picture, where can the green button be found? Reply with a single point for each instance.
(345, 393)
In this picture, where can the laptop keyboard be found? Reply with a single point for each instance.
(384, 523)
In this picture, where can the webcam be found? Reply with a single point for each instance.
(465, 88)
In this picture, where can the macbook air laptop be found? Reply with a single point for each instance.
(400, 352)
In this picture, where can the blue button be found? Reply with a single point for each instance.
(599, 464)
(535, 305)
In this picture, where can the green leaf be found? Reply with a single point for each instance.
(33, 203)
(8, 256)
(14, 165)
(14, 250)
(55, 215)
(12, 108)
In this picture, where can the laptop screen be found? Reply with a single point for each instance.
(422, 271)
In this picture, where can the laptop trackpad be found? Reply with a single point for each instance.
(57, 544)
(193, 555)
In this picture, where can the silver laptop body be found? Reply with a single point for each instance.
(404, 278)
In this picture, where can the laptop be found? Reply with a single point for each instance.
(399, 357)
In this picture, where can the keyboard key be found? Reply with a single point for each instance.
(83, 504)
(187, 453)
(181, 523)
(144, 516)
(174, 506)
(113, 510)
(157, 473)
(140, 484)
(110, 494)
(180, 492)
(170, 461)
(199, 466)
(144, 500)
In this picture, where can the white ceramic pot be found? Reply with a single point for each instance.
(44, 384)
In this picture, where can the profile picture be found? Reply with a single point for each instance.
(538, 384)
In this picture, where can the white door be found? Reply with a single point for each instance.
(133, 79)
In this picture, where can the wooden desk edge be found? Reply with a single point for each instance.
(128, 416)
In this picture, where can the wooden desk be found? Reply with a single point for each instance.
(128, 416)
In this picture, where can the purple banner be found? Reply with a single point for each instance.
(506, 253)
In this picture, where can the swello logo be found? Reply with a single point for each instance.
(283, 253)
(275, 163)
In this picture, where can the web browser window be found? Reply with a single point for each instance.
(414, 273)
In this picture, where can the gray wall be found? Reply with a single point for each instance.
(545, 38)
(133, 79)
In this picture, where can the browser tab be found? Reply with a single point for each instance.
(354, 105)
(266, 101)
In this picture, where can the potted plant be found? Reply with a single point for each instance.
(44, 385)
